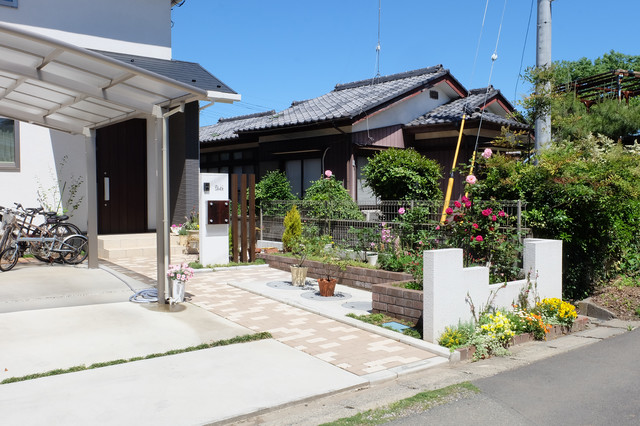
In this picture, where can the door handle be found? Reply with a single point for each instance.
(106, 189)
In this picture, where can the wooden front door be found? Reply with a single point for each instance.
(121, 161)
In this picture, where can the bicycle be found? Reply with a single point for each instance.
(72, 249)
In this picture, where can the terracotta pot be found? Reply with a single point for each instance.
(327, 287)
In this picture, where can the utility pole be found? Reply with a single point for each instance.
(543, 60)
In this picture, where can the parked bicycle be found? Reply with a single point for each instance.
(71, 249)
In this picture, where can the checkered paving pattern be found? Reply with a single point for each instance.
(350, 348)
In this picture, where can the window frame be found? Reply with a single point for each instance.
(15, 165)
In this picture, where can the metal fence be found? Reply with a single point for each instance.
(425, 215)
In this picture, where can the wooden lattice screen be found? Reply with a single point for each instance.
(243, 220)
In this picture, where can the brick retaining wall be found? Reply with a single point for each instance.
(352, 276)
(398, 302)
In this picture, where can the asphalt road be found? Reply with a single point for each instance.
(598, 384)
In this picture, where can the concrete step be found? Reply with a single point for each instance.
(111, 247)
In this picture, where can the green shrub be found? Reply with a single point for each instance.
(273, 186)
(403, 174)
(327, 199)
(584, 192)
(292, 228)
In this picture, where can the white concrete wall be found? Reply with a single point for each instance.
(41, 153)
(138, 27)
(447, 283)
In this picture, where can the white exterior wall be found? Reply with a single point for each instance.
(447, 284)
(404, 111)
(138, 27)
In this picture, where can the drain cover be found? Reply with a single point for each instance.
(396, 326)
(286, 285)
(315, 295)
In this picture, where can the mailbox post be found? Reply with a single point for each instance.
(214, 218)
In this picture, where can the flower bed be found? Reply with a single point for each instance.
(352, 276)
(555, 331)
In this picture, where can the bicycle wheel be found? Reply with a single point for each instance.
(8, 258)
(74, 249)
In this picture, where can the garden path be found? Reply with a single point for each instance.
(355, 350)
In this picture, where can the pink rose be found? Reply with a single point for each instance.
(401, 210)
(449, 210)
(464, 199)
(487, 153)
(501, 213)
(471, 179)
(437, 227)
(494, 218)
(487, 212)
(457, 204)
(475, 226)
(467, 204)
(328, 173)
(479, 238)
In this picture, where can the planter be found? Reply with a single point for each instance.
(193, 241)
(327, 286)
(183, 240)
(298, 275)
(177, 291)
(372, 259)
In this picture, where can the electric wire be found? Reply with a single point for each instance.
(524, 47)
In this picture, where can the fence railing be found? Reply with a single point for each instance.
(425, 215)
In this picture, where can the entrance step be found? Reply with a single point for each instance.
(122, 246)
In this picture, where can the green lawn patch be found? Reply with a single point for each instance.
(239, 339)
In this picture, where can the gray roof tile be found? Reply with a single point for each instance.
(227, 128)
(451, 112)
(351, 99)
(185, 72)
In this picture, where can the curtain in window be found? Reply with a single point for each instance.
(7, 141)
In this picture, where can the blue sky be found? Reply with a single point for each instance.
(275, 52)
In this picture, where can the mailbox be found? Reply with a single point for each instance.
(217, 212)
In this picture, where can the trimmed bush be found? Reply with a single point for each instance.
(403, 174)
(292, 228)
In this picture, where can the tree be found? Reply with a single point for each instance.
(403, 174)
(273, 186)
(328, 199)
(570, 118)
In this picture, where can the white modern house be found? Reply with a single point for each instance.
(91, 100)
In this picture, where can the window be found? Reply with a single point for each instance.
(9, 147)
(10, 3)
(302, 173)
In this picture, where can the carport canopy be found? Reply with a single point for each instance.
(61, 86)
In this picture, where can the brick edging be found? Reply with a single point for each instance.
(556, 331)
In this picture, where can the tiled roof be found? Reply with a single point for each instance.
(351, 99)
(452, 112)
(227, 128)
(185, 72)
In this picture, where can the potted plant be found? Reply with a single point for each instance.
(300, 249)
(179, 275)
(192, 226)
(331, 263)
